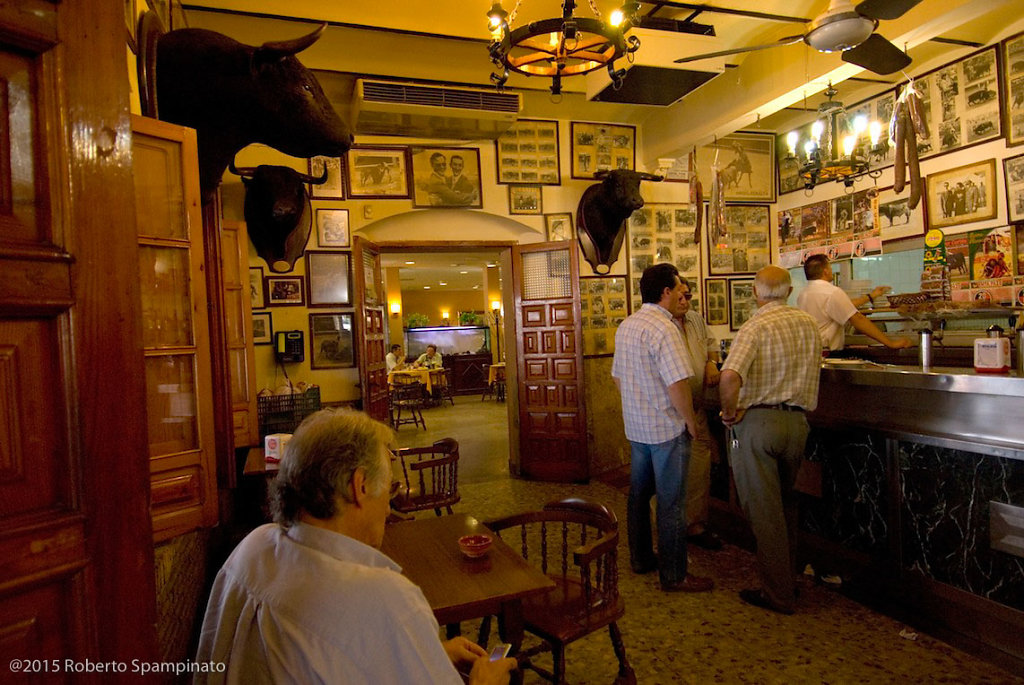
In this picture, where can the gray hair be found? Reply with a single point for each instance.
(320, 459)
(769, 289)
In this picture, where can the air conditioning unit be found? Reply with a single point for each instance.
(424, 111)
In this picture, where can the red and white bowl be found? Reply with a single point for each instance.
(475, 546)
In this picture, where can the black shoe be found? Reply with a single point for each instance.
(706, 539)
(758, 599)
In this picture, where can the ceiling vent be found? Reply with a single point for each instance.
(423, 111)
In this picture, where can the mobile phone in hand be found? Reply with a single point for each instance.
(500, 651)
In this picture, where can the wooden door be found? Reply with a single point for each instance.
(552, 418)
(175, 338)
(75, 535)
(372, 326)
(234, 241)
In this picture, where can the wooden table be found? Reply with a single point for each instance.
(460, 589)
(423, 375)
(492, 372)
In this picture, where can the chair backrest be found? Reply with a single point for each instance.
(430, 476)
(572, 539)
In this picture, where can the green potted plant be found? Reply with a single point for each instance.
(417, 321)
(468, 319)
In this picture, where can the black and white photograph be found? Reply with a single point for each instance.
(331, 341)
(283, 291)
(1013, 88)
(962, 195)
(663, 232)
(739, 251)
(328, 276)
(257, 294)
(742, 303)
(1013, 172)
(332, 228)
(525, 200)
(716, 297)
(895, 216)
(603, 305)
(746, 164)
(601, 147)
(334, 187)
(528, 153)
(446, 177)
(377, 172)
(262, 328)
(559, 227)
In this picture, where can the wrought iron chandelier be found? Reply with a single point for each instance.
(840, 148)
(563, 46)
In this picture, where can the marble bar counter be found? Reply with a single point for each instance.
(914, 471)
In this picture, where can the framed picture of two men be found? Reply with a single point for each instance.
(446, 177)
(962, 195)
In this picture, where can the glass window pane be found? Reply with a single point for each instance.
(166, 296)
(171, 404)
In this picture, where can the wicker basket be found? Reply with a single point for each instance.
(284, 413)
(904, 299)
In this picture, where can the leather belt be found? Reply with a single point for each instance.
(782, 407)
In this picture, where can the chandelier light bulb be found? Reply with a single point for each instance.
(791, 140)
(860, 124)
(848, 144)
(875, 131)
(809, 148)
(616, 17)
(816, 130)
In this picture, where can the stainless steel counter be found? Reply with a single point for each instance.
(950, 407)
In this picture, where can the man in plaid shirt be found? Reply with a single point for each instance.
(650, 369)
(768, 382)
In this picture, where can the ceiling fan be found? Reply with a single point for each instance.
(845, 28)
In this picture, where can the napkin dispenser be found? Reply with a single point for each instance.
(992, 354)
(274, 445)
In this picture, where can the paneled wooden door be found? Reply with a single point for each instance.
(552, 415)
(372, 327)
(75, 534)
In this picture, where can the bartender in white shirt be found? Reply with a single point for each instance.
(832, 308)
(395, 360)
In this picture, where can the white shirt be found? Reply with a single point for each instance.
(699, 343)
(830, 308)
(649, 357)
(391, 361)
(307, 605)
(434, 362)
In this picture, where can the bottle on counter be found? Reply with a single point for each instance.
(992, 353)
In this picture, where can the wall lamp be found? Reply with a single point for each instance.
(396, 309)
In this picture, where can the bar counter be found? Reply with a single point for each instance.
(912, 470)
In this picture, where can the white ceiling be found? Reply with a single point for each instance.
(455, 270)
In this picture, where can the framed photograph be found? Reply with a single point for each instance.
(1013, 170)
(334, 187)
(896, 218)
(328, 276)
(528, 153)
(257, 294)
(131, 22)
(446, 177)
(1018, 249)
(604, 304)
(524, 200)
(746, 246)
(601, 147)
(262, 328)
(742, 303)
(332, 228)
(331, 341)
(716, 301)
(746, 162)
(664, 232)
(284, 291)
(962, 195)
(1013, 89)
(163, 10)
(559, 227)
(377, 172)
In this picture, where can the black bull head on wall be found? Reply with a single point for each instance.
(234, 95)
(602, 213)
(277, 212)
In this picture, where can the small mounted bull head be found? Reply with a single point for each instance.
(277, 212)
(602, 213)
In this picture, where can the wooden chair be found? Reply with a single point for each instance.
(441, 380)
(406, 395)
(497, 386)
(575, 543)
(429, 478)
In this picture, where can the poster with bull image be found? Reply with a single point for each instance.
(746, 162)
(377, 172)
(332, 341)
(896, 218)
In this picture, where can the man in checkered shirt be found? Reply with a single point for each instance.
(650, 369)
(768, 382)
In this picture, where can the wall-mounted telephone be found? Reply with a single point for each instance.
(289, 346)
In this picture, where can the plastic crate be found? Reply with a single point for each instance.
(284, 413)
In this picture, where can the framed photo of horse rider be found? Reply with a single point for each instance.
(962, 195)
(746, 163)
(377, 172)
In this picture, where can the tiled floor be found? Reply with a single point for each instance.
(711, 637)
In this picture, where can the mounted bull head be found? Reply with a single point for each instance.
(277, 212)
(235, 94)
(602, 213)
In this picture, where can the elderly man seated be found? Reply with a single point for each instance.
(310, 598)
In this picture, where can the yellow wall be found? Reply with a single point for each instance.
(432, 303)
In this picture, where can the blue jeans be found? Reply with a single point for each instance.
(659, 470)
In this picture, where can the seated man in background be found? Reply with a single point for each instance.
(309, 598)
(395, 360)
(430, 359)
